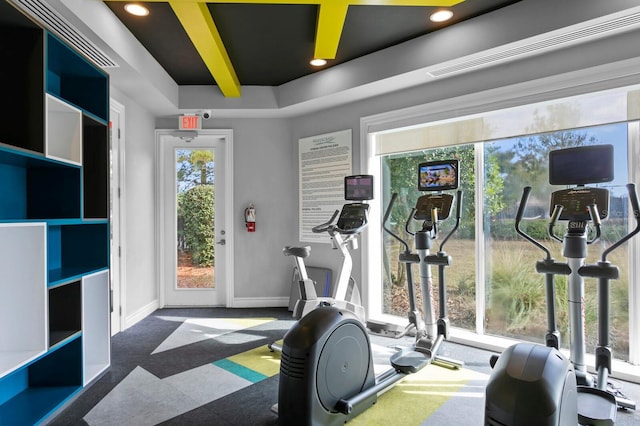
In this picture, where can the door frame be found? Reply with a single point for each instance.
(226, 138)
(118, 284)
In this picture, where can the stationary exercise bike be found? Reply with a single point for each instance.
(352, 221)
(535, 384)
(326, 370)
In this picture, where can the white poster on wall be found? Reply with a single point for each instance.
(324, 161)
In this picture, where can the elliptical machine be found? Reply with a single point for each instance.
(326, 371)
(430, 209)
(534, 384)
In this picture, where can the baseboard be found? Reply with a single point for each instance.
(260, 302)
(141, 314)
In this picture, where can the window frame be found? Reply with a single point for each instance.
(460, 108)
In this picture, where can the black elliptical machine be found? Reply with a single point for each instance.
(326, 369)
(537, 385)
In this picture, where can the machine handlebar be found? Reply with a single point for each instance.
(633, 198)
(523, 204)
(458, 215)
(325, 226)
(387, 213)
(347, 223)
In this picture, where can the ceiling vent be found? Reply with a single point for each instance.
(53, 21)
(542, 44)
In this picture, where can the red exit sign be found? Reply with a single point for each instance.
(190, 122)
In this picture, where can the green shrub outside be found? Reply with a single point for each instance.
(196, 208)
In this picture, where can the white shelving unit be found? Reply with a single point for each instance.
(63, 131)
(54, 222)
(23, 286)
(95, 325)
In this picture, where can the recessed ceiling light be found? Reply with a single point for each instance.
(441, 15)
(136, 9)
(318, 62)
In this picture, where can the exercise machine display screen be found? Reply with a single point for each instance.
(581, 165)
(438, 175)
(358, 187)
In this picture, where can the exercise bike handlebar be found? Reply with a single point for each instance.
(633, 199)
(387, 213)
(333, 229)
(523, 204)
(325, 226)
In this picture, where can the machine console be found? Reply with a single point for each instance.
(353, 216)
(426, 203)
(575, 203)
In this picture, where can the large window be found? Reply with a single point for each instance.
(493, 288)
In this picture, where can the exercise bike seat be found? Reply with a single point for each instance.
(408, 361)
(302, 252)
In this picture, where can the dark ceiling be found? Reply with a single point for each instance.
(271, 44)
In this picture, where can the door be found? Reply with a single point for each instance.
(192, 219)
(116, 125)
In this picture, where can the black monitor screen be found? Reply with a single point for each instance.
(438, 175)
(582, 165)
(358, 187)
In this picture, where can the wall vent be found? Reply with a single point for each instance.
(53, 21)
(524, 48)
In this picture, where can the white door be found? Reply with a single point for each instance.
(117, 220)
(192, 219)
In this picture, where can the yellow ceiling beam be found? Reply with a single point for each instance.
(331, 17)
(199, 26)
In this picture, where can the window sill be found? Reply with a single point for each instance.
(622, 370)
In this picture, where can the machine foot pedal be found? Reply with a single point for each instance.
(596, 407)
(409, 361)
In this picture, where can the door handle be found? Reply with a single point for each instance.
(222, 242)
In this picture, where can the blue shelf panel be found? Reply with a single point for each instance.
(74, 79)
(34, 392)
(76, 250)
(65, 275)
(33, 405)
(34, 187)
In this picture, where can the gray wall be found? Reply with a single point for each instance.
(266, 167)
(265, 174)
(138, 240)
